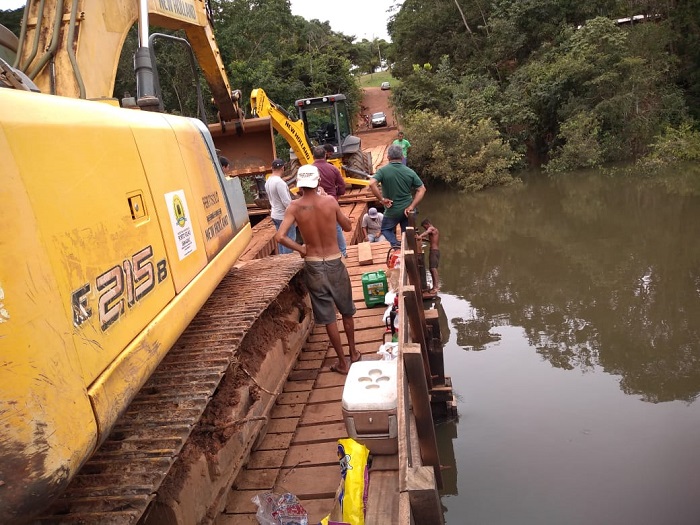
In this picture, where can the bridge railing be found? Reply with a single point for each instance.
(419, 464)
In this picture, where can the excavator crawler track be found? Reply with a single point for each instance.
(123, 476)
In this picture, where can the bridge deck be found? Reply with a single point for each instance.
(298, 453)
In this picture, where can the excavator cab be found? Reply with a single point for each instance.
(326, 121)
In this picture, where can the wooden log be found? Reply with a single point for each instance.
(414, 310)
(423, 497)
(435, 354)
(418, 389)
(364, 253)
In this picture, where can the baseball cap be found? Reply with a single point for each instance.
(372, 212)
(307, 176)
(277, 163)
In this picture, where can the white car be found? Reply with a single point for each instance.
(385, 86)
(378, 119)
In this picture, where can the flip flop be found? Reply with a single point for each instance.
(356, 360)
(334, 368)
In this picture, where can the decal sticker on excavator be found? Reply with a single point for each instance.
(181, 223)
(119, 287)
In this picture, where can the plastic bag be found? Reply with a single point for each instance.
(276, 509)
(389, 351)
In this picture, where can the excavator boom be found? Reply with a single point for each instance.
(72, 47)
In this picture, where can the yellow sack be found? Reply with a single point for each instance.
(351, 496)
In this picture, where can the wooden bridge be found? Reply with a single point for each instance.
(297, 451)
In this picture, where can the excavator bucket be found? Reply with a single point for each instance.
(249, 146)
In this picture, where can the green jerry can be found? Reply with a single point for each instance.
(374, 287)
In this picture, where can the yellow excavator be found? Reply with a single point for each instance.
(321, 121)
(117, 226)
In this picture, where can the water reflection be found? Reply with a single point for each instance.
(598, 271)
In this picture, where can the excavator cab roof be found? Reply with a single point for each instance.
(318, 101)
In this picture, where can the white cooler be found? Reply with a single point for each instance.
(369, 405)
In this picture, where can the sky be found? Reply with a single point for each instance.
(362, 18)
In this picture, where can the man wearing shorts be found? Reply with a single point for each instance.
(325, 274)
(433, 235)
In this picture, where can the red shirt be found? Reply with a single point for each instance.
(331, 180)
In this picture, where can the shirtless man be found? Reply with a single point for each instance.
(325, 274)
(433, 235)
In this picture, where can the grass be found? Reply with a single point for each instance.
(376, 79)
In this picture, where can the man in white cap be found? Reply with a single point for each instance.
(279, 196)
(372, 226)
(325, 274)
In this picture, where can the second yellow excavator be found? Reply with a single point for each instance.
(321, 121)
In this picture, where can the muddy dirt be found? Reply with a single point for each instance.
(374, 100)
(222, 417)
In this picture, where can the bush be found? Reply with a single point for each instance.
(581, 148)
(468, 157)
(673, 146)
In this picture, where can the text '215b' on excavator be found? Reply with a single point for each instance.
(117, 226)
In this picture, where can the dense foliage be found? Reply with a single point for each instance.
(558, 83)
(566, 83)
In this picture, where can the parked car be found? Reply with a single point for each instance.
(378, 119)
(386, 85)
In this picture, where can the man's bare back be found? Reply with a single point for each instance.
(316, 216)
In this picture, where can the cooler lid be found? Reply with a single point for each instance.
(370, 385)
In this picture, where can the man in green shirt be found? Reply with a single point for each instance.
(405, 146)
(398, 184)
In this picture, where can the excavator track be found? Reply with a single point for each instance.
(120, 480)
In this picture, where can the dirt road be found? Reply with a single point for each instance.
(374, 100)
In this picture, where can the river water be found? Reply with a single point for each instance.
(570, 309)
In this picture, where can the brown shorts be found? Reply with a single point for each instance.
(433, 259)
(329, 286)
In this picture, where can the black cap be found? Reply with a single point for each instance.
(277, 163)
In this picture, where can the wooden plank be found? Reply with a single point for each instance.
(313, 347)
(276, 441)
(364, 253)
(326, 395)
(314, 364)
(385, 462)
(286, 411)
(239, 502)
(383, 500)
(310, 482)
(278, 426)
(418, 388)
(413, 306)
(317, 509)
(309, 355)
(298, 386)
(302, 375)
(236, 519)
(320, 433)
(292, 398)
(315, 453)
(256, 479)
(424, 498)
(266, 459)
(324, 413)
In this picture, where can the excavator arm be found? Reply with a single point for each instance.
(292, 130)
(72, 47)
